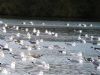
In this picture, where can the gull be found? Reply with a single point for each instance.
(29, 48)
(28, 35)
(4, 29)
(17, 27)
(38, 31)
(79, 37)
(2, 54)
(43, 24)
(22, 42)
(98, 68)
(49, 33)
(50, 47)
(37, 34)
(24, 59)
(81, 61)
(45, 65)
(14, 26)
(23, 56)
(80, 31)
(24, 23)
(84, 41)
(32, 59)
(6, 45)
(79, 54)
(6, 25)
(41, 40)
(64, 52)
(91, 25)
(4, 71)
(37, 42)
(11, 38)
(67, 24)
(96, 64)
(1, 22)
(40, 73)
(10, 49)
(13, 65)
(31, 23)
(84, 25)
(52, 33)
(98, 44)
(80, 57)
(73, 44)
(46, 31)
(91, 37)
(26, 29)
(56, 34)
(79, 25)
(18, 34)
(98, 38)
(39, 47)
(34, 30)
(86, 35)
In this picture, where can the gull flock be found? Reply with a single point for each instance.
(17, 56)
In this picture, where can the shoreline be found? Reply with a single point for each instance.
(52, 19)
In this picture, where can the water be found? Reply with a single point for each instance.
(39, 22)
(49, 49)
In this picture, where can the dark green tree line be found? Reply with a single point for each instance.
(51, 8)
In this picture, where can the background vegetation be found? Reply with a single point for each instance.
(51, 9)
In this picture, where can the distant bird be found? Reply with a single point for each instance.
(41, 73)
(17, 27)
(79, 38)
(73, 44)
(36, 55)
(67, 24)
(95, 63)
(34, 30)
(26, 29)
(84, 41)
(80, 31)
(98, 38)
(89, 59)
(43, 24)
(2, 54)
(41, 40)
(6, 45)
(96, 48)
(5, 49)
(86, 35)
(5, 25)
(18, 34)
(32, 42)
(56, 34)
(64, 52)
(91, 25)
(4, 29)
(31, 23)
(46, 31)
(24, 23)
(28, 35)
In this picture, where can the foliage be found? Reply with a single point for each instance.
(51, 8)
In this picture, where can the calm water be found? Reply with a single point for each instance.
(17, 21)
